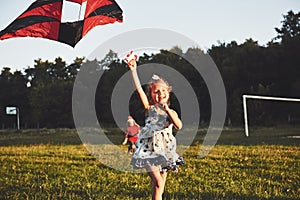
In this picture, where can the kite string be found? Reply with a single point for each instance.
(79, 12)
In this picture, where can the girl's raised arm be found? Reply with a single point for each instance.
(132, 66)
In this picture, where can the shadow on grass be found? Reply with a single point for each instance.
(224, 196)
(39, 136)
(229, 136)
(257, 136)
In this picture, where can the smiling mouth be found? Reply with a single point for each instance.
(161, 99)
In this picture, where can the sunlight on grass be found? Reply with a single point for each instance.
(54, 164)
(228, 172)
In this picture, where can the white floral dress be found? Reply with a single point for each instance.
(156, 145)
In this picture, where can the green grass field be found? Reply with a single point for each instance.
(54, 164)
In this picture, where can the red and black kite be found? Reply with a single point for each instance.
(43, 19)
(78, 1)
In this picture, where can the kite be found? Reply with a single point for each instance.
(78, 1)
(43, 19)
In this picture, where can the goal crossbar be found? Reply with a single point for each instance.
(263, 98)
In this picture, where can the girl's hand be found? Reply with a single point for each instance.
(132, 64)
(166, 107)
(173, 116)
(130, 59)
(125, 141)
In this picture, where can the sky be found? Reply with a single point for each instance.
(205, 22)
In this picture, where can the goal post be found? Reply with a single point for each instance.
(245, 97)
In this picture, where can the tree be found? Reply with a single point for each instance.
(13, 92)
(107, 62)
(289, 46)
(51, 92)
(72, 69)
(290, 26)
(113, 69)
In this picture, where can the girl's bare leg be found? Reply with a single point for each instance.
(158, 182)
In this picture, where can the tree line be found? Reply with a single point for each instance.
(43, 92)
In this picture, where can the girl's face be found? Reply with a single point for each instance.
(160, 93)
(130, 122)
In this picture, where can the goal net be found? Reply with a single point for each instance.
(246, 97)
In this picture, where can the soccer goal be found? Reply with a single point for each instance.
(245, 97)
